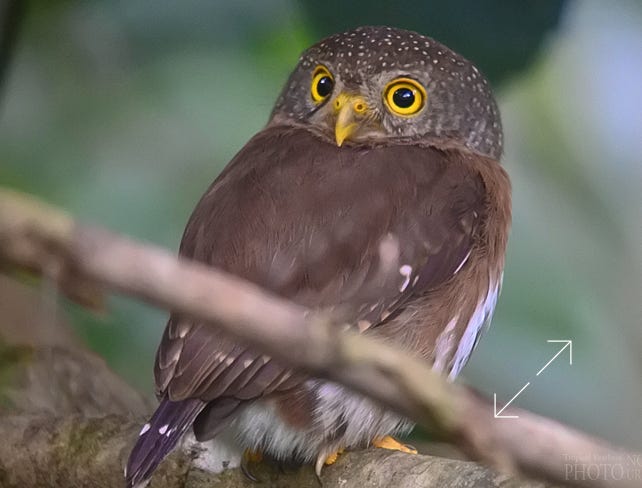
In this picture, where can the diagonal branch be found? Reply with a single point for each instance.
(42, 238)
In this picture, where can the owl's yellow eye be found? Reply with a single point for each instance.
(404, 96)
(322, 84)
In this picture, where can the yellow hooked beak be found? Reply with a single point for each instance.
(349, 109)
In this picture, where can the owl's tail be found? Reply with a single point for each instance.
(159, 436)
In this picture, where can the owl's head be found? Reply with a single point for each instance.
(380, 84)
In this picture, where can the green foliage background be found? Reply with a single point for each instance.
(124, 111)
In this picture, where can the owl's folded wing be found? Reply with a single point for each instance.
(294, 222)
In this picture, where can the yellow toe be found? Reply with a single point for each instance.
(388, 442)
(332, 458)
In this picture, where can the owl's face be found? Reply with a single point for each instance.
(378, 84)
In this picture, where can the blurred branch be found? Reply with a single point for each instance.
(42, 238)
(32, 316)
(11, 16)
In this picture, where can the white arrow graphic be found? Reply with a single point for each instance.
(567, 343)
(498, 415)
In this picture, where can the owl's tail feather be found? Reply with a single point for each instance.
(159, 436)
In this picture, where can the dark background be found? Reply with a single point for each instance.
(123, 111)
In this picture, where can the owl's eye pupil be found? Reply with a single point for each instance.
(404, 97)
(324, 86)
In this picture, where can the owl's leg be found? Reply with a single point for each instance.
(388, 442)
(250, 457)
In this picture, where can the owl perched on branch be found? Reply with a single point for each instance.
(375, 192)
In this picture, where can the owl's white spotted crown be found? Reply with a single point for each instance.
(460, 104)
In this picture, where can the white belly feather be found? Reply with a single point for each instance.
(361, 420)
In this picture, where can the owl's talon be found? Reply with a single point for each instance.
(388, 442)
(250, 457)
(326, 460)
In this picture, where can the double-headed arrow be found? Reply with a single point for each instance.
(567, 344)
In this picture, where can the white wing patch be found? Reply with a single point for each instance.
(480, 319)
(405, 271)
(144, 430)
(461, 265)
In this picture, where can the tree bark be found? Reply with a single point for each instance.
(91, 452)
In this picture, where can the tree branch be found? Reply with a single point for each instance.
(66, 420)
(42, 238)
(91, 452)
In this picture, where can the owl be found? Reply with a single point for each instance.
(375, 193)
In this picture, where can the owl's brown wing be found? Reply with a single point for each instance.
(355, 230)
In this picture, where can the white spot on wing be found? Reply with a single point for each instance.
(461, 265)
(406, 271)
(176, 355)
(363, 325)
(163, 429)
(144, 429)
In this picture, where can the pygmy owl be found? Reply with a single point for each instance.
(374, 192)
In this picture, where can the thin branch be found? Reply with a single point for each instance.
(34, 235)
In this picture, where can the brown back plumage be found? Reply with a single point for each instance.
(310, 227)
